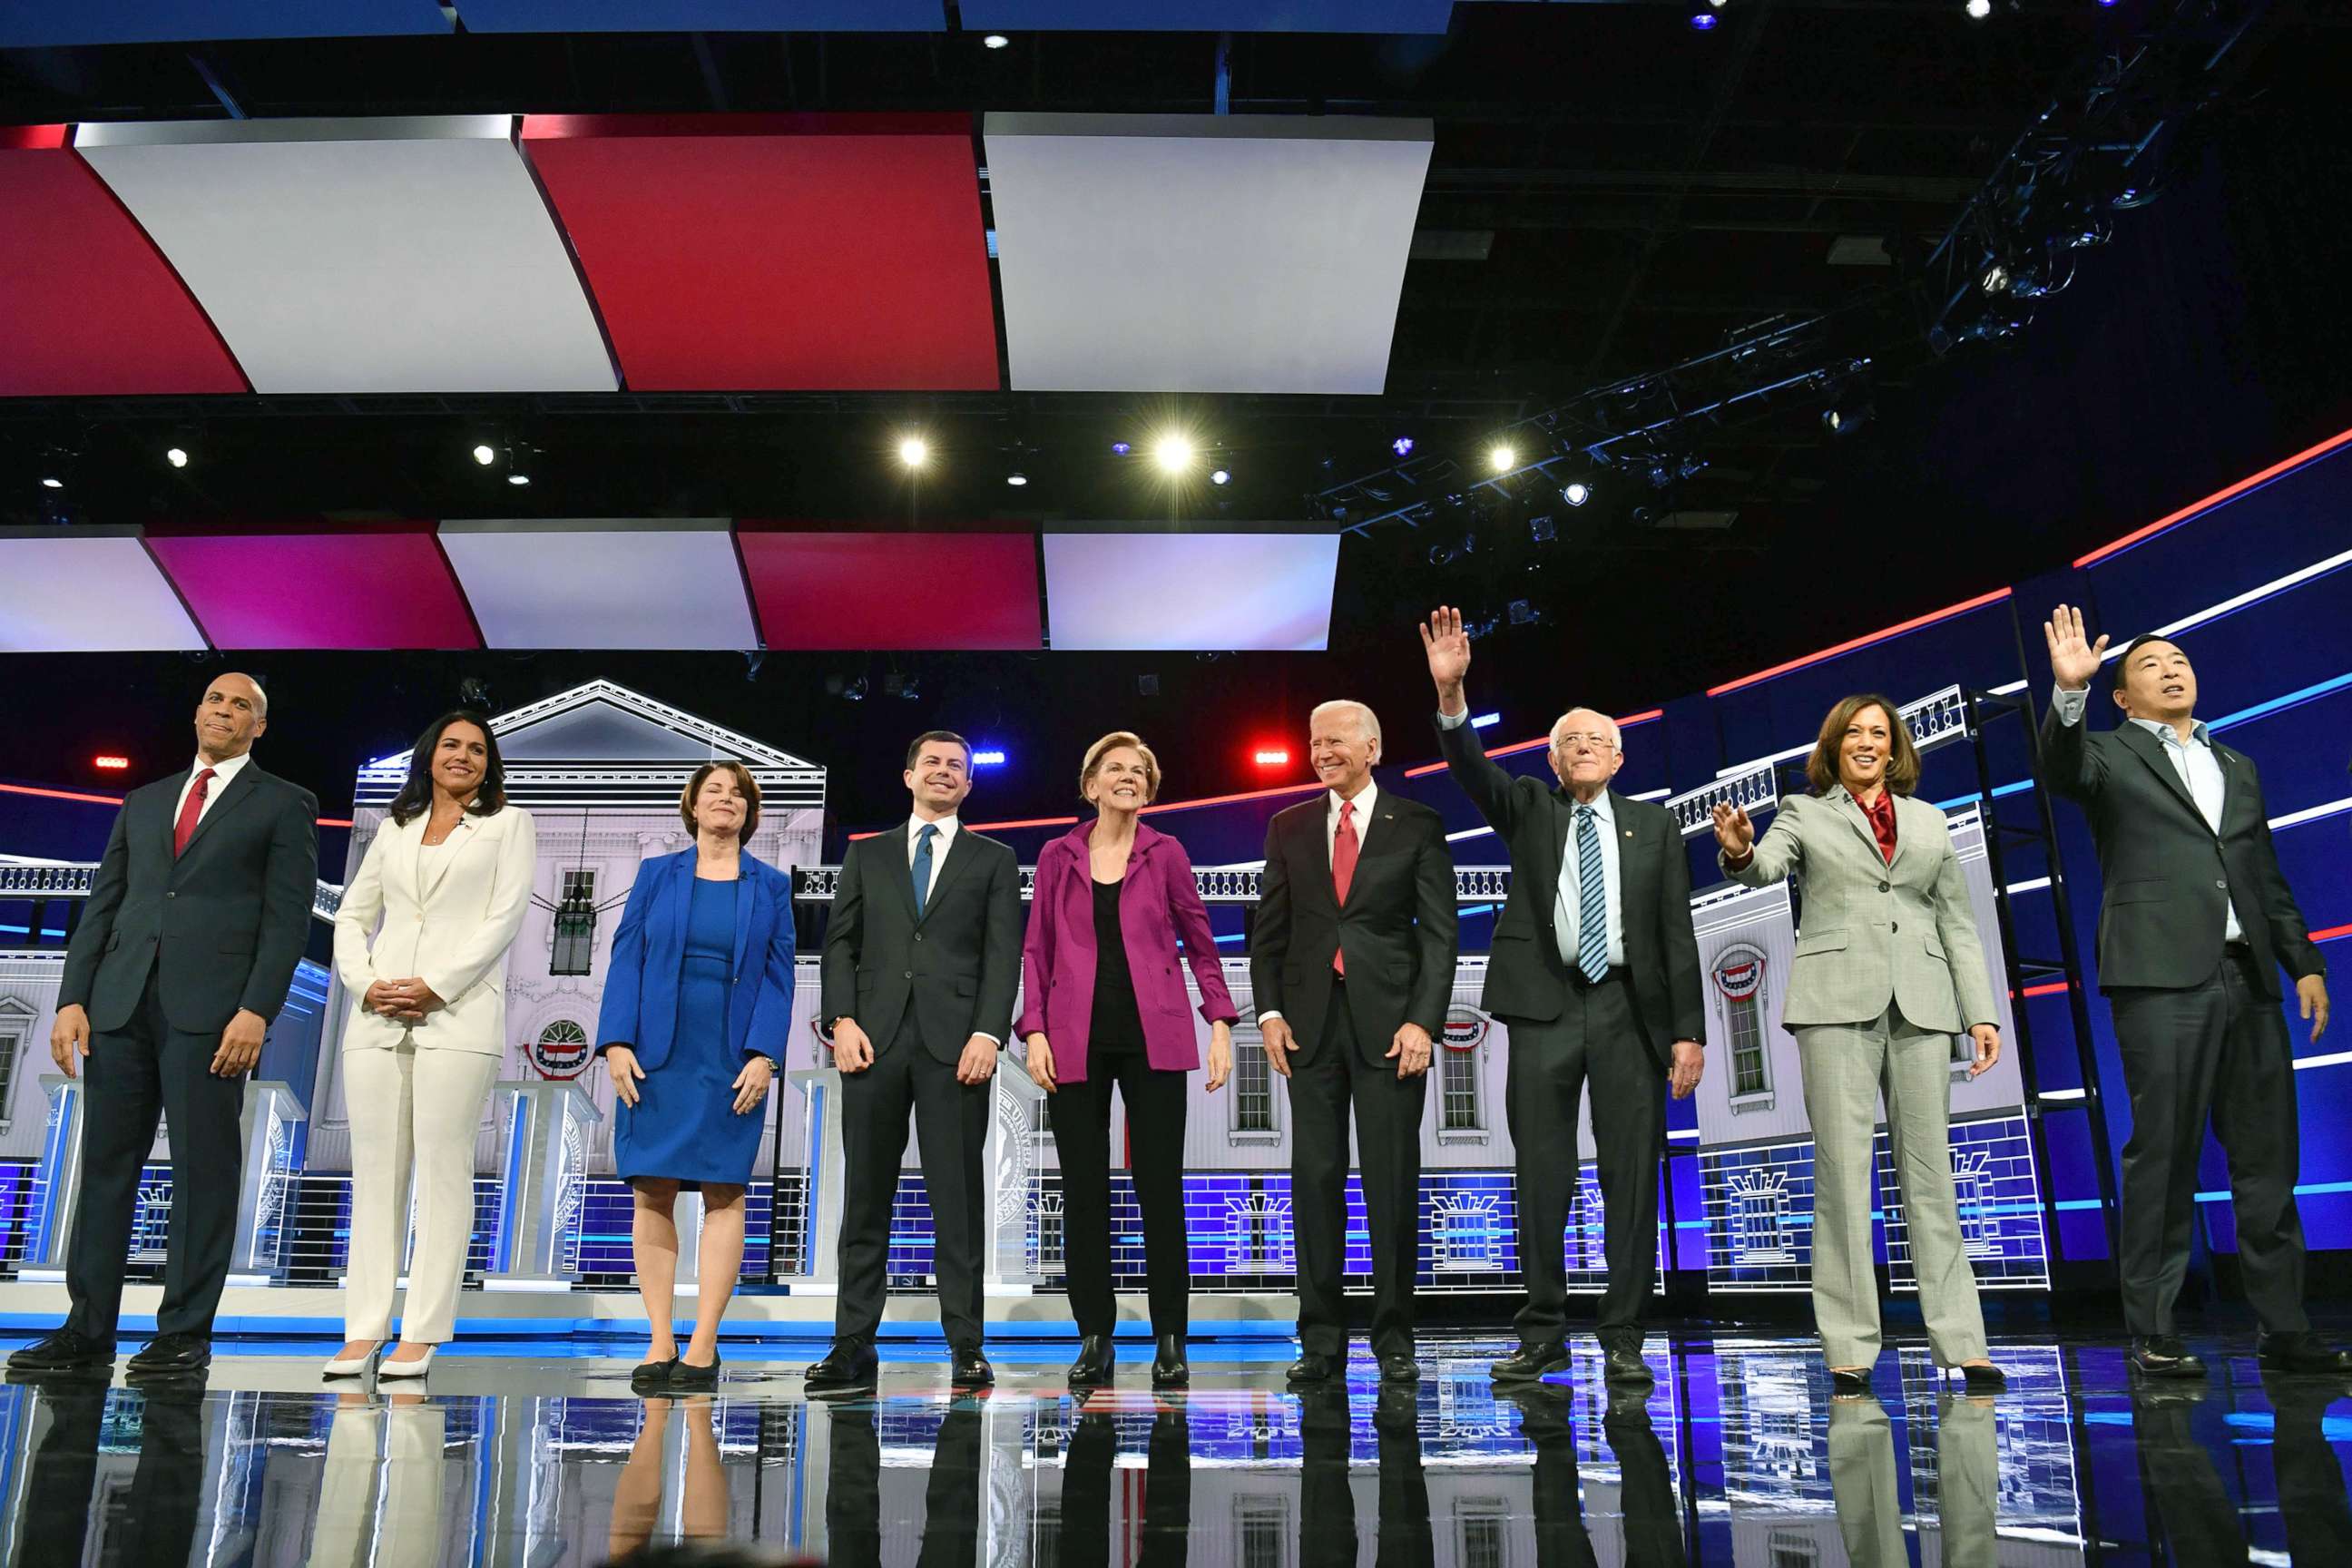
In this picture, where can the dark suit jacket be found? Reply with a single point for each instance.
(959, 967)
(1398, 927)
(2169, 878)
(1526, 976)
(221, 927)
(640, 1006)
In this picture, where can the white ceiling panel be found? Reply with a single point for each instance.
(577, 583)
(364, 256)
(1202, 253)
(1238, 591)
(89, 591)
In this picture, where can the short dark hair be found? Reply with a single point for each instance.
(2136, 644)
(744, 781)
(915, 747)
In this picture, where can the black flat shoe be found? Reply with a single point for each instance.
(850, 1367)
(1849, 1381)
(1311, 1368)
(1983, 1379)
(66, 1349)
(1531, 1361)
(970, 1370)
(1168, 1368)
(2301, 1352)
(684, 1377)
(1097, 1358)
(2163, 1355)
(171, 1356)
(653, 1376)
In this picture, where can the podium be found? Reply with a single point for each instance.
(271, 1129)
(820, 1270)
(543, 1171)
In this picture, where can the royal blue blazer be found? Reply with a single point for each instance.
(640, 1008)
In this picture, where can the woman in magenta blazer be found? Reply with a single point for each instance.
(1103, 1003)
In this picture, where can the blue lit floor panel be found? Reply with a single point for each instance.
(537, 1453)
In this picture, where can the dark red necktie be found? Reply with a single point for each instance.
(190, 809)
(1343, 870)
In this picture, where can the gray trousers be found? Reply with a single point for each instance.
(1847, 1068)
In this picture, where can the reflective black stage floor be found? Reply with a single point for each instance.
(537, 1456)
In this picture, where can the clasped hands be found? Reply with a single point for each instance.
(239, 1049)
(402, 1001)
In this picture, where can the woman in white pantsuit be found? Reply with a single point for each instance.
(1888, 969)
(448, 876)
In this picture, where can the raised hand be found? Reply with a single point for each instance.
(1734, 831)
(1448, 646)
(2073, 660)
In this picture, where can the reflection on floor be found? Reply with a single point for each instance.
(1737, 1455)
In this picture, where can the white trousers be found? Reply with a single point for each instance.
(395, 1523)
(411, 1109)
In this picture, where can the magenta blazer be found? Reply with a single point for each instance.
(1158, 903)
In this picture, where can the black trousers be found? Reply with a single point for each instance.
(2220, 1048)
(134, 1075)
(1155, 1120)
(1654, 1535)
(1595, 1040)
(852, 1501)
(152, 1520)
(1083, 1541)
(951, 1128)
(1388, 1140)
(1326, 1498)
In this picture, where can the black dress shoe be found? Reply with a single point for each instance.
(1983, 1379)
(1312, 1368)
(850, 1367)
(2163, 1355)
(652, 1377)
(2302, 1352)
(1097, 1358)
(172, 1355)
(1168, 1368)
(64, 1350)
(1531, 1360)
(1849, 1382)
(970, 1370)
(1397, 1370)
(1623, 1363)
(684, 1377)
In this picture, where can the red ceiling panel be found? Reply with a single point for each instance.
(745, 252)
(910, 591)
(87, 305)
(384, 585)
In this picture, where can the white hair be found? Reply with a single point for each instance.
(1616, 736)
(1368, 722)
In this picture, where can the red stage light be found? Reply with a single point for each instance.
(1271, 757)
(109, 763)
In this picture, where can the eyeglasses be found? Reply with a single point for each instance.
(1598, 742)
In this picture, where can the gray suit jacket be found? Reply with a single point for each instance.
(1874, 932)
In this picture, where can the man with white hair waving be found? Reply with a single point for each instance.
(1351, 961)
(1595, 973)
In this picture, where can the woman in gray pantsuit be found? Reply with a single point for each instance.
(1874, 1007)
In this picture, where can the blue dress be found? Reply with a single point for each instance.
(684, 1127)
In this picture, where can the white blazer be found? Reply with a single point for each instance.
(448, 915)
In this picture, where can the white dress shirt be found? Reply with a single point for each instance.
(222, 774)
(1568, 902)
(947, 826)
(1363, 801)
(2200, 770)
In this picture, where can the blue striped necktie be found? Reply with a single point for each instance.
(1592, 898)
(923, 836)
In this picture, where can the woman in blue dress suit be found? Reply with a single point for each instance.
(697, 1010)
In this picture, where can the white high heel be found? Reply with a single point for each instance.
(388, 1367)
(352, 1365)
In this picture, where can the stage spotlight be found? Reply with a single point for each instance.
(486, 454)
(1016, 480)
(1980, 9)
(1576, 492)
(1271, 757)
(518, 479)
(995, 41)
(176, 455)
(1219, 476)
(1502, 457)
(913, 451)
(1485, 720)
(1402, 445)
(1996, 279)
(51, 482)
(1845, 419)
(1173, 454)
(1121, 448)
(109, 762)
(1703, 22)
(990, 759)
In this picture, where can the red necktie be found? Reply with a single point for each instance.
(1343, 870)
(190, 809)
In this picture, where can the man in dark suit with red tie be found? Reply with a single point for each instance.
(196, 918)
(1351, 961)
